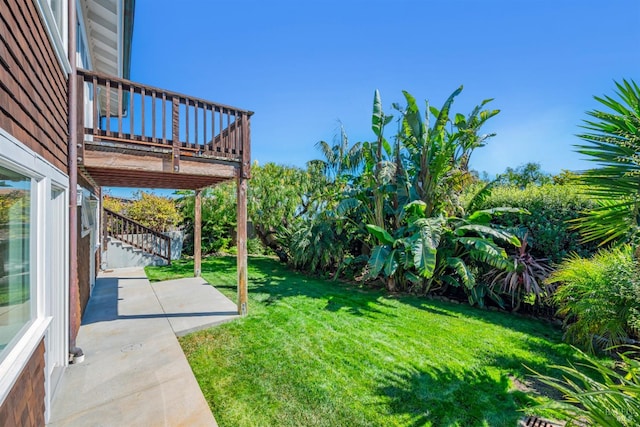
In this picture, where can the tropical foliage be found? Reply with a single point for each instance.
(551, 208)
(599, 298)
(612, 141)
(397, 205)
(594, 393)
(524, 279)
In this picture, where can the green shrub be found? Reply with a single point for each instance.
(599, 298)
(255, 247)
(113, 204)
(218, 218)
(156, 212)
(550, 207)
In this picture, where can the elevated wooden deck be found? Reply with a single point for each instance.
(132, 135)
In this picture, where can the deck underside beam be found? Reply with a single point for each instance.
(153, 170)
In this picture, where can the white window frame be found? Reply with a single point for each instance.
(45, 176)
(59, 36)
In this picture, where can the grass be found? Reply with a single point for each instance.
(319, 353)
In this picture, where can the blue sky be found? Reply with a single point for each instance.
(304, 65)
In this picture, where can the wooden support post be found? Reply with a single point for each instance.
(241, 237)
(241, 241)
(197, 235)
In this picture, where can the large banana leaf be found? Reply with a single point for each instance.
(424, 256)
(377, 260)
(463, 271)
(347, 205)
(485, 215)
(378, 119)
(485, 230)
(391, 264)
(381, 234)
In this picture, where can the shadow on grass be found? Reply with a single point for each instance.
(498, 393)
(270, 282)
(478, 396)
(424, 397)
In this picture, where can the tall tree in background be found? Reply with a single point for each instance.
(278, 195)
(523, 175)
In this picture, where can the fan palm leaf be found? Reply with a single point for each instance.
(612, 141)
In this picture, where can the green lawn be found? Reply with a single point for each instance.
(320, 353)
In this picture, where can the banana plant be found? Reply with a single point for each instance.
(437, 251)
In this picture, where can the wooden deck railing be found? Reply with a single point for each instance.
(121, 111)
(137, 235)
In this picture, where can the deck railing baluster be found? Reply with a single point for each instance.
(213, 128)
(186, 140)
(143, 99)
(164, 118)
(95, 124)
(108, 115)
(204, 126)
(220, 114)
(236, 134)
(120, 108)
(196, 110)
(196, 134)
(153, 116)
(228, 140)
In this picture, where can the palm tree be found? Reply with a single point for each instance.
(612, 141)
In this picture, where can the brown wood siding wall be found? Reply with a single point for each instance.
(33, 88)
(24, 406)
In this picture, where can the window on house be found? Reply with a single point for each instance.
(15, 255)
(87, 212)
(57, 10)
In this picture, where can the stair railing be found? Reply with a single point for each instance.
(137, 235)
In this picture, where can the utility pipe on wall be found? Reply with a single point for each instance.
(75, 354)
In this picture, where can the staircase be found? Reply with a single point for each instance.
(128, 243)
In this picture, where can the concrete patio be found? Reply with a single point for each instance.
(135, 372)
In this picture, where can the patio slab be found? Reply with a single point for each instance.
(205, 307)
(135, 372)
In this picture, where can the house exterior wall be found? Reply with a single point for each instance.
(33, 86)
(24, 406)
(33, 125)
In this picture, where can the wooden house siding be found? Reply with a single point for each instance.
(24, 406)
(33, 86)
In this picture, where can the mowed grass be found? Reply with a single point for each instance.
(321, 353)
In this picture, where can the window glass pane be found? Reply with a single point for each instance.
(15, 232)
(57, 9)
